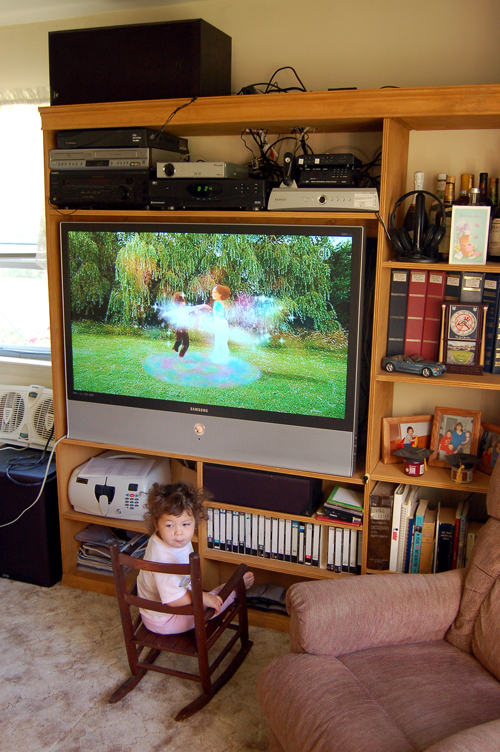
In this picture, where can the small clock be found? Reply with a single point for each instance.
(462, 337)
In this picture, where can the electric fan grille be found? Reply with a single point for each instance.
(11, 412)
(43, 419)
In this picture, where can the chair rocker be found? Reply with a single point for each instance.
(196, 643)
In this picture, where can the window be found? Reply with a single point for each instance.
(24, 309)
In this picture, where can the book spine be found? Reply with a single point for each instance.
(491, 294)
(397, 311)
(471, 287)
(452, 286)
(260, 539)
(222, 529)
(236, 522)
(295, 541)
(330, 556)
(445, 547)
(267, 538)
(338, 549)
(399, 496)
(409, 545)
(417, 542)
(210, 527)
(417, 290)
(431, 331)
(379, 531)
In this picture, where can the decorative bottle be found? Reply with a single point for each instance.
(493, 191)
(409, 220)
(466, 183)
(484, 199)
(449, 200)
(494, 236)
(440, 189)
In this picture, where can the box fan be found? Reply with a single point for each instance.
(26, 416)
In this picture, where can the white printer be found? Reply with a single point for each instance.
(115, 484)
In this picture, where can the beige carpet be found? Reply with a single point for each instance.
(63, 655)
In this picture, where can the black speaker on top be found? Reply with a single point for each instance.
(139, 61)
(423, 246)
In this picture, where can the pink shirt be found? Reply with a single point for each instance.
(164, 588)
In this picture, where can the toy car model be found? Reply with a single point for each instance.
(413, 364)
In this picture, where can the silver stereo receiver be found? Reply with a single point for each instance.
(200, 170)
(108, 159)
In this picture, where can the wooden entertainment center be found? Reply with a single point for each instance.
(393, 112)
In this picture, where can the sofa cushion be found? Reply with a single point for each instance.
(314, 704)
(486, 635)
(429, 690)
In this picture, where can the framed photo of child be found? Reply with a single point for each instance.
(413, 430)
(469, 234)
(454, 431)
(489, 448)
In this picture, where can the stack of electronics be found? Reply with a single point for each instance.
(94, 555)
(322, 182)
(109, 168)
(207, 185)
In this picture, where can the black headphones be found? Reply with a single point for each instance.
(424, 245)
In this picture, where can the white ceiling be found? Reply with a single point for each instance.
(32, 11)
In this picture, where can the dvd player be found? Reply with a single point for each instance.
(121, 138)
(107, 159)
(217, 193)
(323, 199)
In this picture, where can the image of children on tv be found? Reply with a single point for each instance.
(256, 321)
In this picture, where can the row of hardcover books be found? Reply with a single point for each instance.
(416, 296)
(295, 541)
(408, 534)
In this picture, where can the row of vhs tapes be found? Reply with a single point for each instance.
(335, 548)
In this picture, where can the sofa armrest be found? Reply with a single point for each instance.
(485, 737)
(340, 616)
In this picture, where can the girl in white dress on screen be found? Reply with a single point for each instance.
(220, 352)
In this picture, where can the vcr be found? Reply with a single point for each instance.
(113, 189)
(218, 193)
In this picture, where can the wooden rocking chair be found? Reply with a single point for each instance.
(195, 643)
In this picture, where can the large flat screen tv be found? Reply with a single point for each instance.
(237, 343)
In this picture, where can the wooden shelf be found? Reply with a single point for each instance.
(393, 113)
(432, 108)
(273, 565)
(484, 381)
(435, 477)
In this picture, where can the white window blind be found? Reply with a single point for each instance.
(24, 310)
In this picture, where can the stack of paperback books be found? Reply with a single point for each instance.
(344, 506)
(94, 555)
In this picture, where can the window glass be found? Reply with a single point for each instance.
(24, 309)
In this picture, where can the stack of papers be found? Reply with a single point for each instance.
(94, 555)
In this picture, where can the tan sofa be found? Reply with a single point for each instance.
(393, 663)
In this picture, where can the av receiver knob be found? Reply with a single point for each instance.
(169, 169)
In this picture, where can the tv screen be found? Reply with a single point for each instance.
(236, 343)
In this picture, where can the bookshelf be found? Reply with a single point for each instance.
(392, 113)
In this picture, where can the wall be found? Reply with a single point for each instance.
(330, 43)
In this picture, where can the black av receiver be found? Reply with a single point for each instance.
(217, 193)
(108, 189)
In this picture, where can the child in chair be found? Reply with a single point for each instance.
(174, 511)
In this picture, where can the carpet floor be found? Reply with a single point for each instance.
(63, 655)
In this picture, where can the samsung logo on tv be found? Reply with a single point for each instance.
(198, 410)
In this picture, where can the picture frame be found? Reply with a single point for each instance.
(489, 447)
(394, 435)
(469, 234)
(446, 439)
